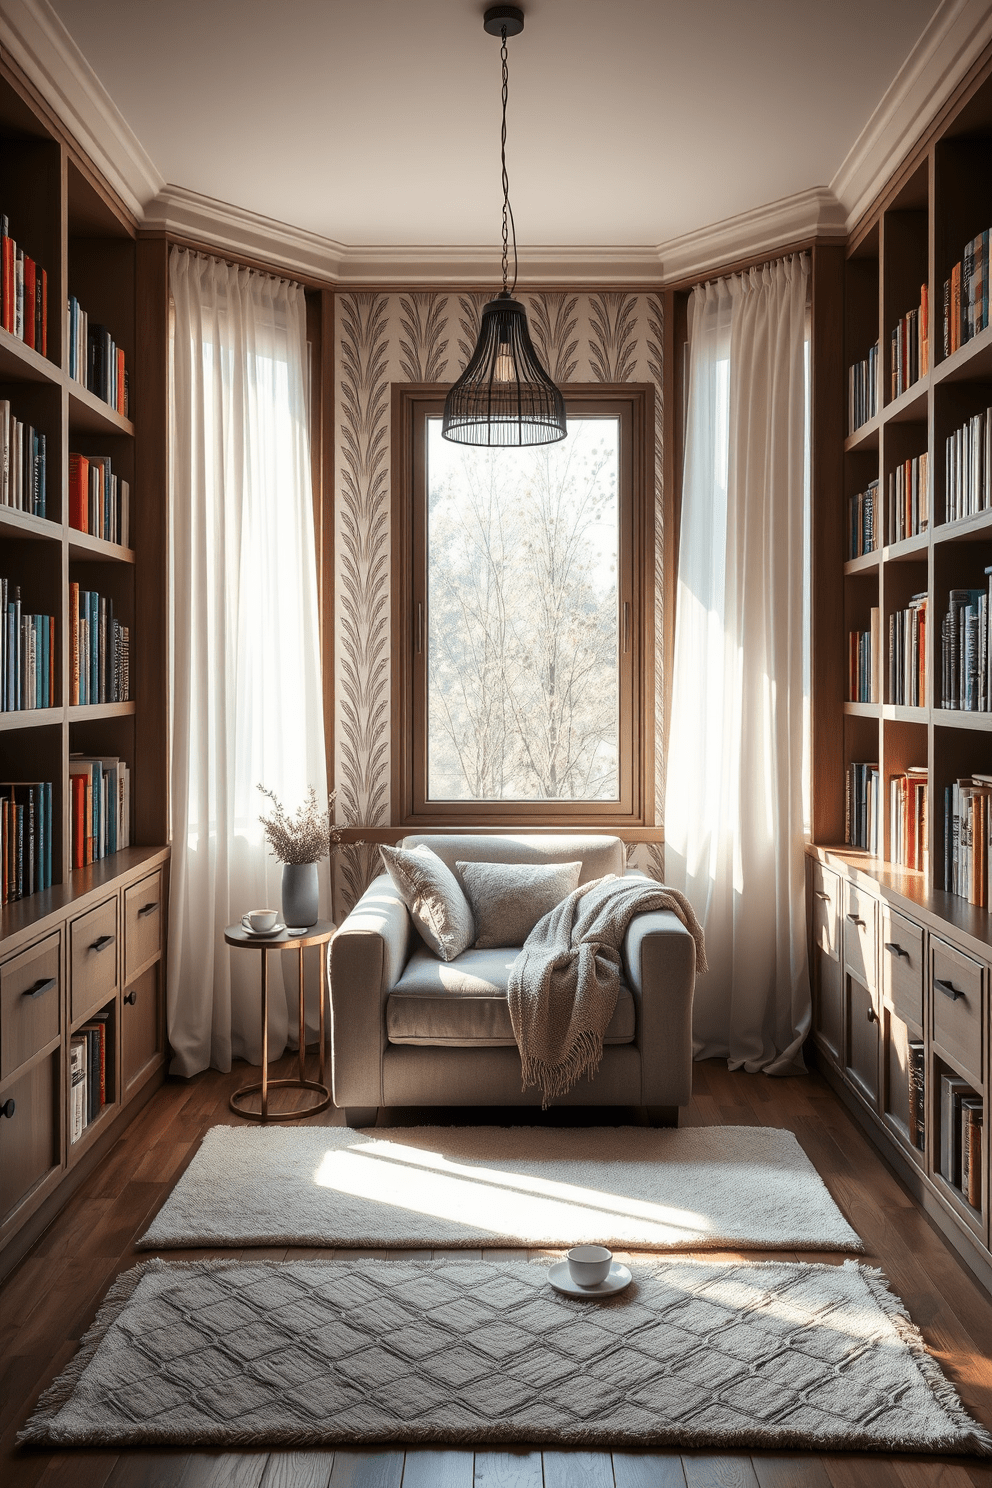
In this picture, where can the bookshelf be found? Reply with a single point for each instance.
(82, 957)
(902, 968)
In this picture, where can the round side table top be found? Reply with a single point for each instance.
(317, 934)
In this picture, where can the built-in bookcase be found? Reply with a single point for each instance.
(70, 954)
(902, 968)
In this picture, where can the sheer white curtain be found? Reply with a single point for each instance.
(245, 683)
(734, 815)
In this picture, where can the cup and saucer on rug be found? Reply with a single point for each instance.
(589, 1271)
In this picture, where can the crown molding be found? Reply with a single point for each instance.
(762, 230)
(957, 34)
(235, 230)
(45, 52)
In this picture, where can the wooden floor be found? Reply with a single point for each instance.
(50, 1300)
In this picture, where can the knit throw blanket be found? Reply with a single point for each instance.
(563, 986)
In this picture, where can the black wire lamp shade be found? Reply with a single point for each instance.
(504, 397)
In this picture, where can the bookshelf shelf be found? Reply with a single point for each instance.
(920, 964)
(58, 765)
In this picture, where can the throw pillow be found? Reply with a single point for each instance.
(508, 899)
(434, 897)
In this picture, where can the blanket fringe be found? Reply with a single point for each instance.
(553, 1080)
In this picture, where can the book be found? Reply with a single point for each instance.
(971, 1150)
(77, 1093)
(916, 1075)
(952, 1092)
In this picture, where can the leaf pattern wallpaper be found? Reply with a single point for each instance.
(427, 336)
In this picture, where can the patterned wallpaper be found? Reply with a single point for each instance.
(427, 336)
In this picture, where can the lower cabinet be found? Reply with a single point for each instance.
(81, 1031)
(901, 1023)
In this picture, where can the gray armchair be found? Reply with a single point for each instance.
(410, 1030)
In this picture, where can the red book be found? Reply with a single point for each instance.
(77, 784)
(41, 319)
(79, 487)
(7, 309)
(29, 297)
(120, 382)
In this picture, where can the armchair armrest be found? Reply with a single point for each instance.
(660, 966)
(366, 958)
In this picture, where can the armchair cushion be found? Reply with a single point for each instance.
(434, 897)
(508, 899)
(463, 1004)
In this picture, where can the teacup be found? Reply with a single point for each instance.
(588, 1265)
(260, 920)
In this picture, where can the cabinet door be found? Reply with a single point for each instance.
(29, 1137)
(142, 923)
(141, 1022)
(828, 976)
(862, 1040)
(30, 1002)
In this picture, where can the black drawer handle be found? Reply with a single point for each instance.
(103, 942)
(948, 989)
(45, 985)
(820, 894)
(147, 909)
(872, 1016)
(130, 998)
(8, 1108)
(855, 919)
(895, 950)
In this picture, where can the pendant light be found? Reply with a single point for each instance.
(504, 397)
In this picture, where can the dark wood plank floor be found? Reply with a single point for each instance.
(50, 1300)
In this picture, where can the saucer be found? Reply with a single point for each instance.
(561, 1279)
(277, 929)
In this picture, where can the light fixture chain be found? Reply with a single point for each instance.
(507, 209)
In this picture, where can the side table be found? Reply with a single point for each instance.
(316, 935)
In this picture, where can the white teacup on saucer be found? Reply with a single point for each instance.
(589, 1265)
(260, 920)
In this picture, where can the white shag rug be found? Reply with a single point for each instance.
(631, 1188)
(693, 1354)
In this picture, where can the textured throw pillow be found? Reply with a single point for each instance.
(508, 899)
(434, 897)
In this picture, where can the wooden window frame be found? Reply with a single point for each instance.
(412, 405)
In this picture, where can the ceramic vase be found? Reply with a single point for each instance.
(300, 894)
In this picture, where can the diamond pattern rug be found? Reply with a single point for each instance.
(692, 1354)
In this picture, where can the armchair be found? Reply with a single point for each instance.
(410, 1030)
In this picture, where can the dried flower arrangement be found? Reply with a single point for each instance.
(305, 837)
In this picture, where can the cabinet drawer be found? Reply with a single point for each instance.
(29, 1138)
(30, 1003)
(825, 886)
(957, 1006)
(93, 959)
(142, 923)
(902, 966)
(860, 940)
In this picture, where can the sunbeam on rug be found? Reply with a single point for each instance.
(625, 1187)
(693, 1354)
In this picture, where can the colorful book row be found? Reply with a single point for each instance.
(88, 1073)
(966, 663)
(100, 807)
(23, 464)
(961, 1143)
(968, 468)
(966, 295)
(99, 500)
(25, 838)
(95, 359)
(967, 822)
(910, 346)
(863, 808)
(99, 650)
(862, 390)
(909, 833)
(909, 498)
(916, 1079)
(862, 522)
(27, 654)
(23, 293)
(907, 654)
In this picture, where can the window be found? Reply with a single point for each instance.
(520, 649)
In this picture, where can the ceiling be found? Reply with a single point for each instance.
(631, 122)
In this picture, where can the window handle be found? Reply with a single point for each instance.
(419, 643)
(626, 626)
